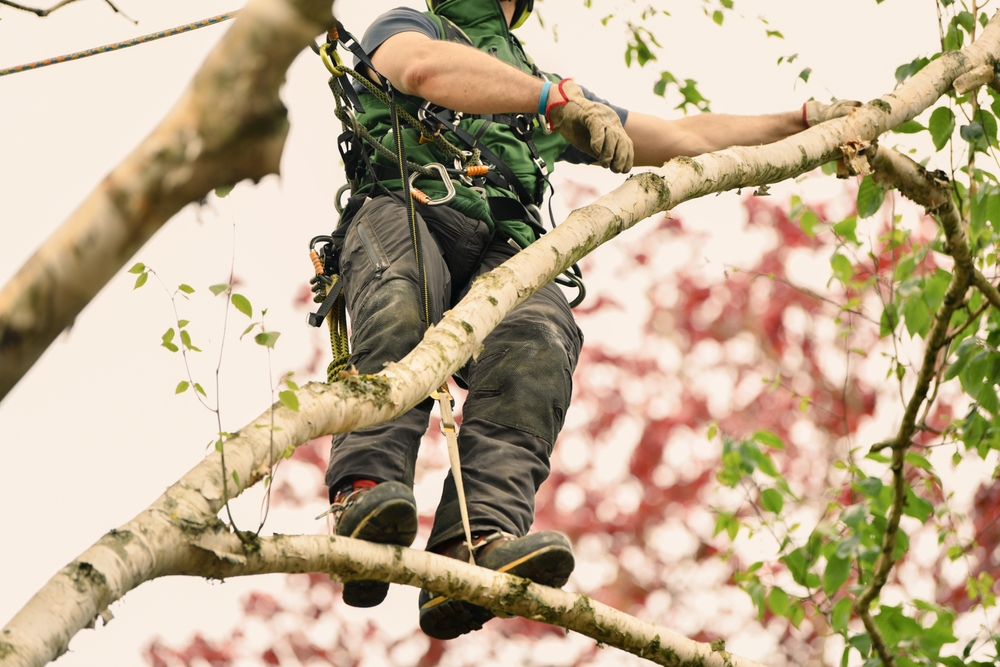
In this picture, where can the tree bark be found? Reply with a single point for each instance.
(227, 126)
(181, 534)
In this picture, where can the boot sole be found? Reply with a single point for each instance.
(444, 618)
(392, 521)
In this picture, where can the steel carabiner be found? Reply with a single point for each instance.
(449, 195)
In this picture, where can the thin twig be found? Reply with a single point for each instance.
(34, 10)
(42, 13)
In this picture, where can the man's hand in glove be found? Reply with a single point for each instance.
(592, 127)
(814, 112)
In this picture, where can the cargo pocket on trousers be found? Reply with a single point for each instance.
(375, 254)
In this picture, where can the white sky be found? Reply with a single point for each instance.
(93, 434)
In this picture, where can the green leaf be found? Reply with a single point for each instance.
(918, 461)
(197, 388)
(183, 323)
(777, 601)
(917, 316)
(141, 280)
(187, 289)
(889, 320)
(772, 500)
(917, 507)
(962, 355)
(267, 338)
(138, 267)
(854, 515)
(804, 74)
(975, 134)
(847, 228)
(182, 387)
(836, 574)
(186, 340)
(218, 289)
(236, 478)
(909, 127)
(798, 563)
(692, 97)
(223, 190)
(842, 268)
(869, 486)
(967, 21)
(660, 87)
(870, 197)
(291, 385)
(942, 126)
(248, 329)
(289, 400)
(841, 615)
(728, 4)
(988, 399)
(727, 522)
(903, 72)
(808, 222)
(717, 17)
(768, 439)
(167, 339)
(953, 38)
(955, 552)
(243, 305)
(775, 33)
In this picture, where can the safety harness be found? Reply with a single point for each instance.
(475, 165)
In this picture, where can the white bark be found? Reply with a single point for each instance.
(181, 534)
(227, 126)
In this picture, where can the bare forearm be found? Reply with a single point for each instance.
(723, 130)
(455, 76)
(657, 140)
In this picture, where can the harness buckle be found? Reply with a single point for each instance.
(445, 178)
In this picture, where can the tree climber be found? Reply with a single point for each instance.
(458, 69)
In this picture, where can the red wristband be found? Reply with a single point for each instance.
(553, 105)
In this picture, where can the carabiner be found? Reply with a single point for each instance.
(439, 168)
(336, 67)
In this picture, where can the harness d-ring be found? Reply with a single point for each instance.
(445, 178)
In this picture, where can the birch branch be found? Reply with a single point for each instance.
(228, 125)
(932, 192)
(149, 546)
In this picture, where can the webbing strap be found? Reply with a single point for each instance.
(488, 156)
(443, 397)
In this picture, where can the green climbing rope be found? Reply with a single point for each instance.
(120, 45)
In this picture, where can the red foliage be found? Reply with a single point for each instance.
(637, 412)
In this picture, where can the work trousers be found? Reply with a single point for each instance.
(519, 386)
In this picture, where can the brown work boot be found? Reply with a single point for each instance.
(385, 513)
(545, 558)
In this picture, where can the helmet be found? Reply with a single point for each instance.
(521, 11)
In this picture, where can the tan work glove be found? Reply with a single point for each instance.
(814, 112)
(592, 127)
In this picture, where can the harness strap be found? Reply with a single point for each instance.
(513, 182)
